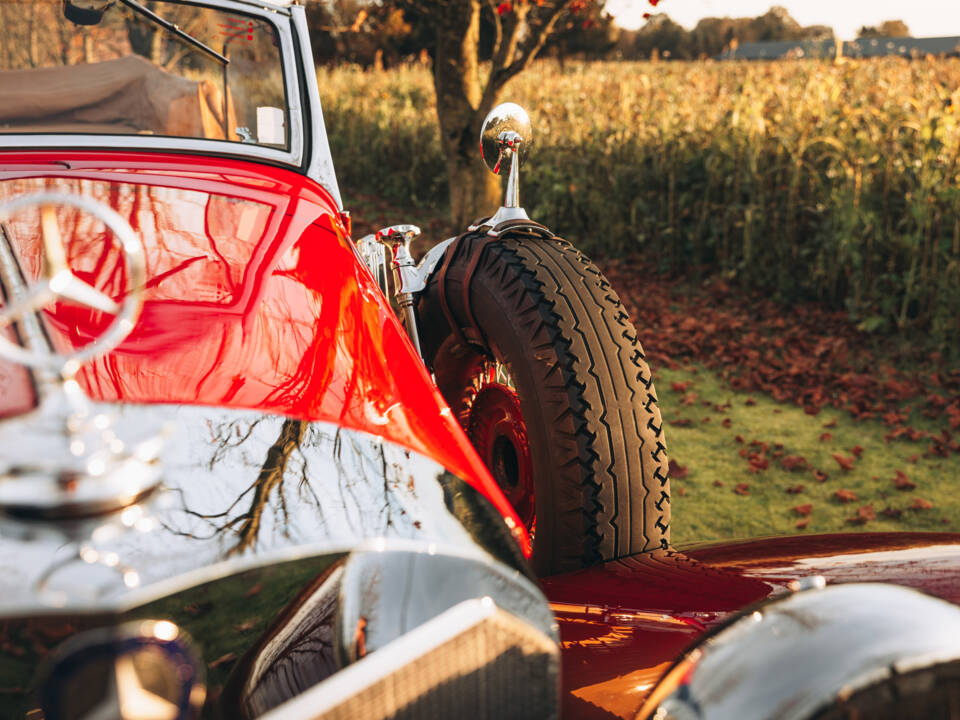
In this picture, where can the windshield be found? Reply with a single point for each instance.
(128, 74)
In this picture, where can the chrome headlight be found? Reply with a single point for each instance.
(806, 655)
(138, 671)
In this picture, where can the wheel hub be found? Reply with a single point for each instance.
(496, 427)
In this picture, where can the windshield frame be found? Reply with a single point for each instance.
(281, 20)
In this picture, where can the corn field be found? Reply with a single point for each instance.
(805, 180)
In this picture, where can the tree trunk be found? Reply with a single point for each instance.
(88, 55)
(474, 191)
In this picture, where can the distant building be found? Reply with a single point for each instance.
(904, 47)
(780, 50)
(862, 48)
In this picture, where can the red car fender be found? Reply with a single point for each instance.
(255, 298)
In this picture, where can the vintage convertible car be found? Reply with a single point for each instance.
(233, 484)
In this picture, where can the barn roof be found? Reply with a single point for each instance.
(861, 48)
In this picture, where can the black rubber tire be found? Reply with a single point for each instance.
(587, 396)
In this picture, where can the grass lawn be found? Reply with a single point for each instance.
(718, 493)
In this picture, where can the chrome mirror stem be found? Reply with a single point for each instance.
(509, 149)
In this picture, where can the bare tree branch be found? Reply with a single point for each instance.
(497, 26)
(509, 64)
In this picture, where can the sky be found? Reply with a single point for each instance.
(925, 18)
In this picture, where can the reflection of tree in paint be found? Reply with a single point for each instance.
(284, 477)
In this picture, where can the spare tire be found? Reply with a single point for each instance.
(545, 373)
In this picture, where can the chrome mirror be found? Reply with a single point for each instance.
(506, 137)
(506, 127)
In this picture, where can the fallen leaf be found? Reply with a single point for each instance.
(845, 496)
(705, 420)
(820, 475)
(913, 458)
(742, 489)
(921, 504)
(795, 490)
(676, 470)
(727, 422)
(689, 399)
(902, 482)
(857, 451)
(718, 483)
(679, 387)
(681, 422)
(844, 462)
(801, 524)
(253, 590)
(794, 463)
(739, 439)
(890, 512)
(826, 437)
(681, 491)
(758, 463)
(864, 515)
(803, 510)
(246, 625)
(831, 424)
(749, 402)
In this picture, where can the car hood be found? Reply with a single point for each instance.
(267, 541)
(622, 624)
(236, 488)
(255, 299)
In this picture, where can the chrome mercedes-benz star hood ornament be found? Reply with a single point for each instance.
(66, 460)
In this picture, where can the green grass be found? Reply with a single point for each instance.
(709, 451)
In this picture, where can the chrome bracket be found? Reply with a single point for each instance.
(397, 239)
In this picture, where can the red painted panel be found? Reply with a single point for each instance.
(623, 623)
(255, 299)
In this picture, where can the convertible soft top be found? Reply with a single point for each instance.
(124, 95)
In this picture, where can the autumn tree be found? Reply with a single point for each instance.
(888, 28)
(467, 88)
(358, 31)
(590, 33)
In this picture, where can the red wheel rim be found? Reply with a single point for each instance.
(495, 426)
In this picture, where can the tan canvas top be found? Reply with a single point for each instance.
(126, 95)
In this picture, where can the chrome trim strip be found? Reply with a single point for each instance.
(132, 599)
(143, 142)
(320, 163)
